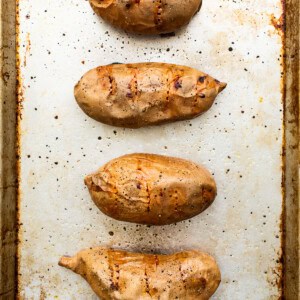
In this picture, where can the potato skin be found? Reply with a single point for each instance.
(137, 95)
(147, 17)
(120, 275)
(151, 189)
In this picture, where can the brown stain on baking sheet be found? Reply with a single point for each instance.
(278, 23)
(20, 99)
(280, 26)
(288, 28)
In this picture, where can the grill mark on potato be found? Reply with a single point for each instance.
(117, 270)
(133, 86)
(168, 91)
(147, 283)
(158, 13)
(115, 267)
(110, 259)
(135, 83)
(113, 84)
(113, 88)
(148, 196)
(182, 278)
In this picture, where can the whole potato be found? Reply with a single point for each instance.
(120, 275)
(147, 16)
(151, 189)
(137, 95)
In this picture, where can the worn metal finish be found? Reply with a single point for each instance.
(8, 188)
(240, 140)
(290, 257)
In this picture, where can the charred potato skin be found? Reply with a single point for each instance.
(147, 17)
(143, 94)
(151, 189)
(120, 275)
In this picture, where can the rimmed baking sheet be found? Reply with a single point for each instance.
(240, 140)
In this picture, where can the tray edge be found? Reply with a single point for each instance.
(9, 152)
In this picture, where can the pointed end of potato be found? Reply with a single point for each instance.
(222, 86)
(68, 262)
(88, 180)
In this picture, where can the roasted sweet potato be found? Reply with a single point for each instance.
(151, 189)
(137, 95)
(119, 275)
(147, 16)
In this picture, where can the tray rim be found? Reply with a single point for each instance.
(9, 144)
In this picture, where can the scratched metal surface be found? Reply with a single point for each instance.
(239, 140)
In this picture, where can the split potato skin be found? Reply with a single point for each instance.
(147, 17)
(151, 189)
(143, 94)
(120, 275)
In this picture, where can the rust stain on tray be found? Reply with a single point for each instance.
(278, 23)
(20, 99)
(280, 26)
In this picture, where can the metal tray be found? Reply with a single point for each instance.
(46, 212)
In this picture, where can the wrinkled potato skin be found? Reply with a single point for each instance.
(151, 189)
(137, 95)
(120, 275)
(147, 16)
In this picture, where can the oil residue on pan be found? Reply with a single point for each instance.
(239, 140)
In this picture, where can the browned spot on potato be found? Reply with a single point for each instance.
(158, 13)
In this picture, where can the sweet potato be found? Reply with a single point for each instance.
(147, 16)
(137, 95)
(119, 275)
(151, 189)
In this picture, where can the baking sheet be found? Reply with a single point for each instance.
(239, 140)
